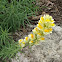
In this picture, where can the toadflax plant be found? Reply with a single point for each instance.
(43, 28)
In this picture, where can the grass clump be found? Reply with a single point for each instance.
(15, 13)
(8, 48)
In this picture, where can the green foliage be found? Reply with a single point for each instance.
(8, 48)
(15, 13)
(4, 39)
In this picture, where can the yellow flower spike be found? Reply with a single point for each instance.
(39, 26)
(20, 40)
(42, 18)
(42, 38)
(43, 28)
(50, 29)
(46, 30)
(26, 38)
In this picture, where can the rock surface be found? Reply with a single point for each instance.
(48, 51)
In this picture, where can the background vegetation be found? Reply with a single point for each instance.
(13, 14)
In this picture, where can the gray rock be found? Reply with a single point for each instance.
(57, 28)
(48, 51)
(60, 43)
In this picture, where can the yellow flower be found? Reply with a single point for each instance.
(26, 38)
(42, 38)
(23, 42)
(46, 30)
(39, 34)
(40, 22)
(42, 18)
(52, 20)
(50, 29)
(31, 41)
(47, 20)
(31, 36)
(52, 24)
(20, 40)
(39, 26)
(36, 29)
(47, 16)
